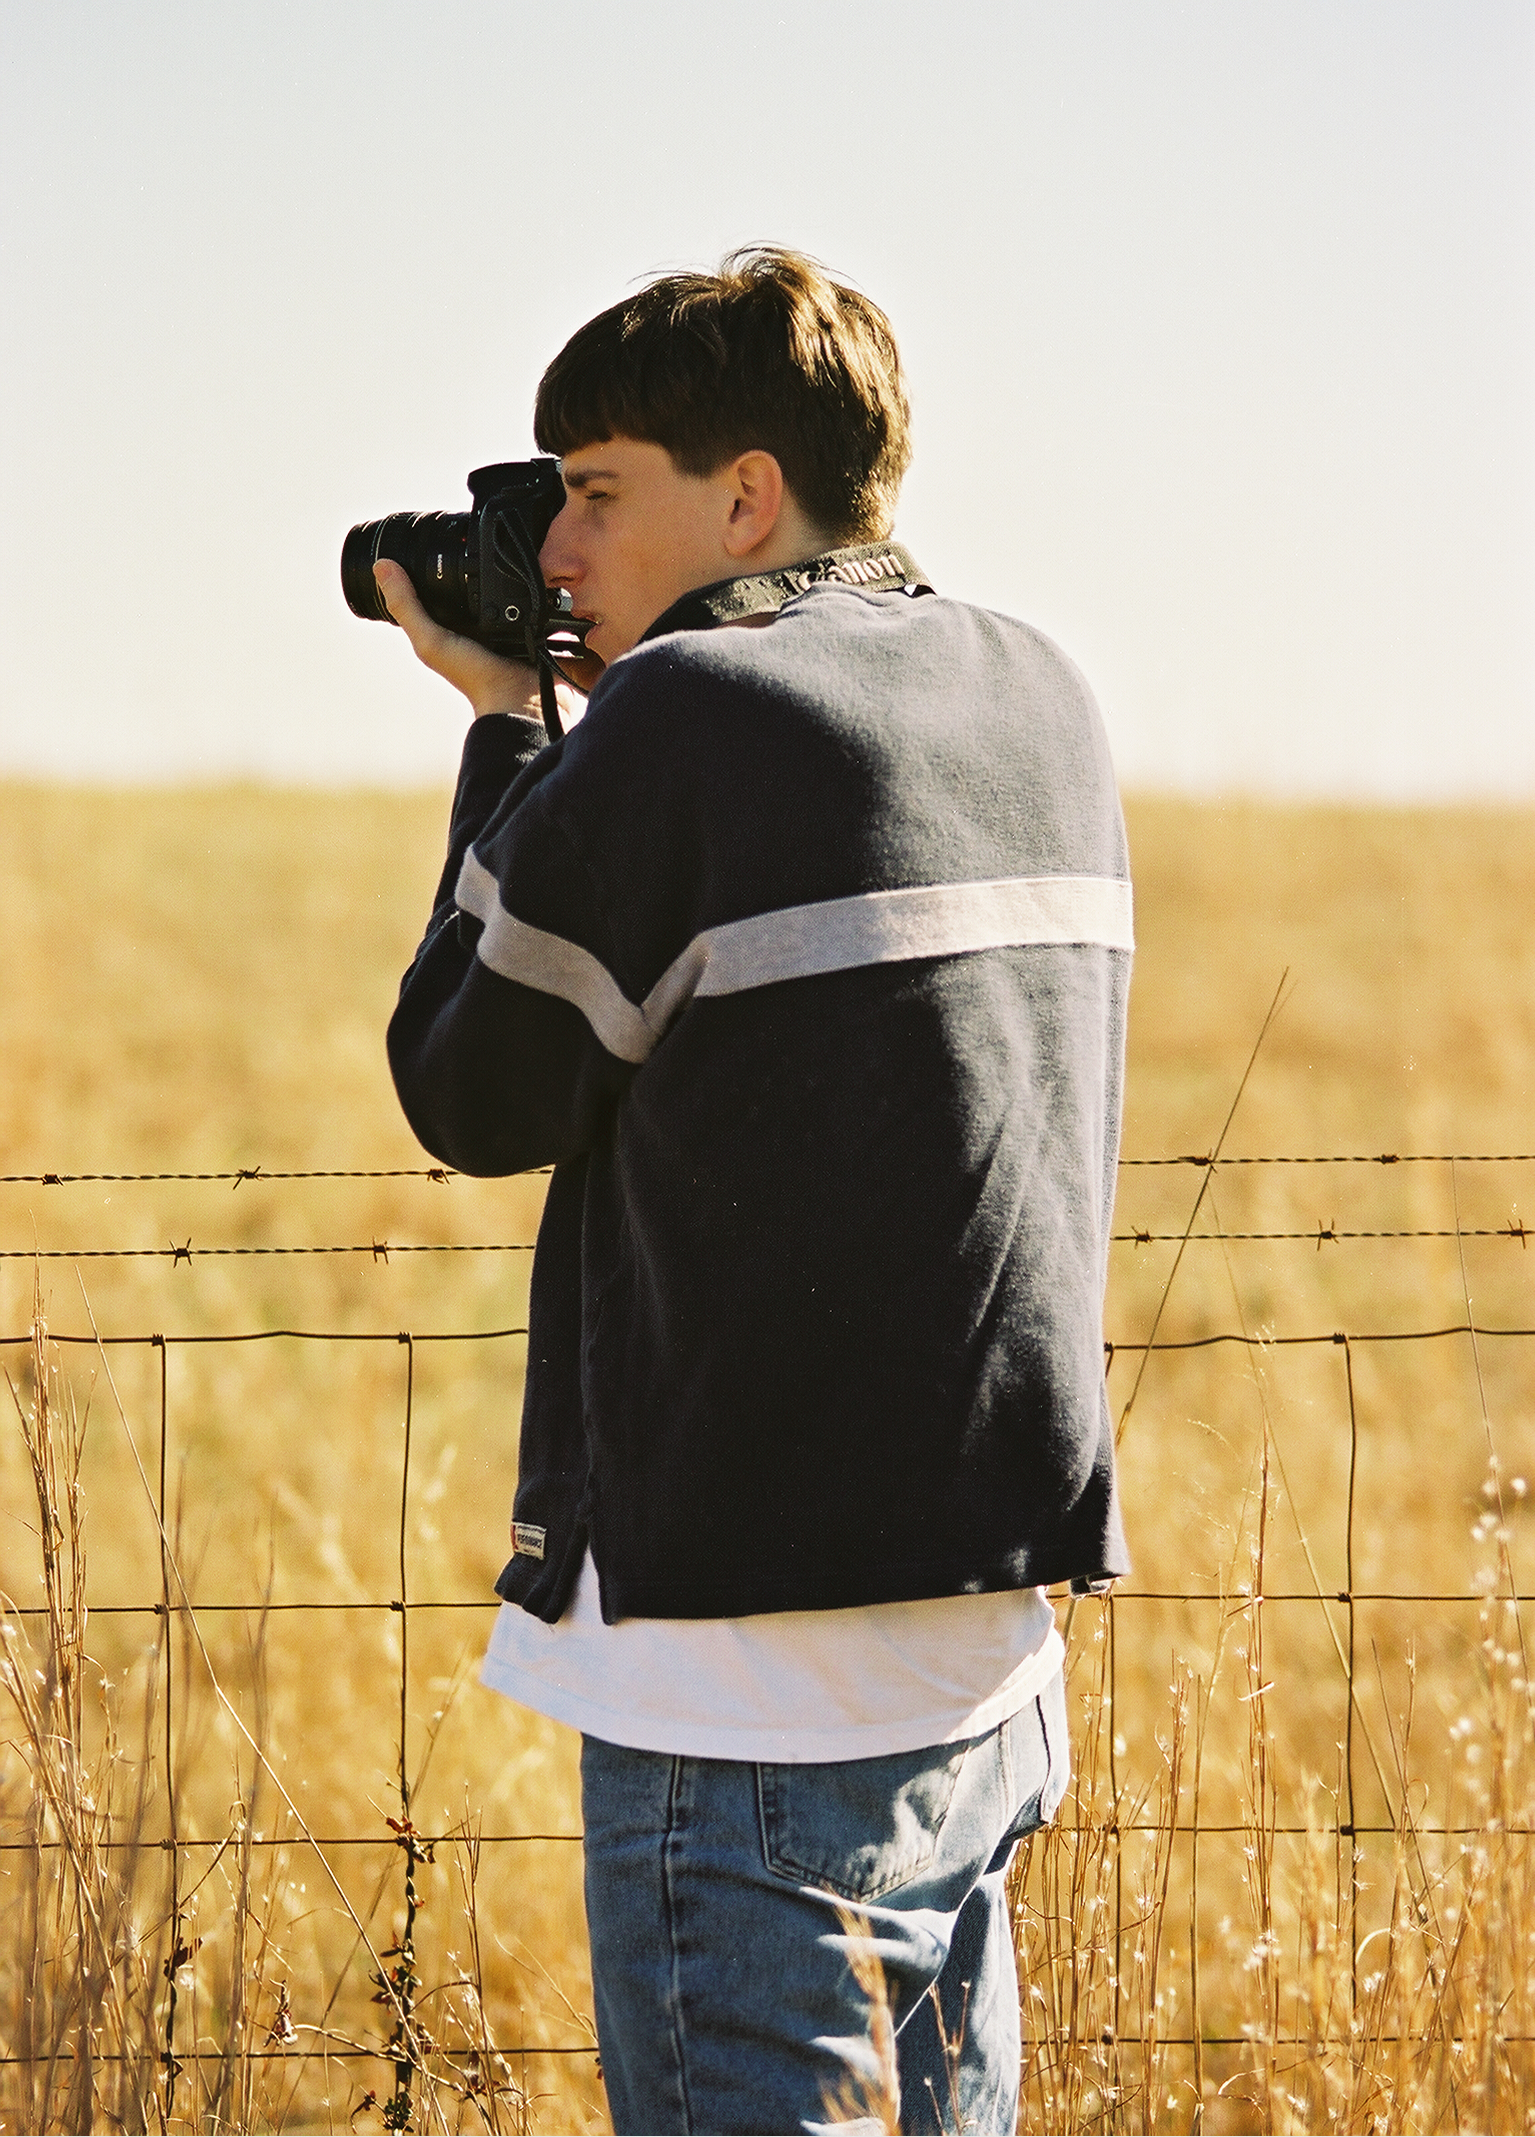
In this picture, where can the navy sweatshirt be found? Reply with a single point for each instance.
(803, 959)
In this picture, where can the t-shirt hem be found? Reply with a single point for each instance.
(770, 1746)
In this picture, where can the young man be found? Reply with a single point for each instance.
(803, 960)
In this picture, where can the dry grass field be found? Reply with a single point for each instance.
(197, 982)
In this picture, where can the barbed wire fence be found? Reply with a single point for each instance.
(400, 2054)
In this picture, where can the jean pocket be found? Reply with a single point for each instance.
(860, 1827)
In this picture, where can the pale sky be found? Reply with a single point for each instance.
(1219, 317)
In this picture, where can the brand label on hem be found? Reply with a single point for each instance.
(527, 1541)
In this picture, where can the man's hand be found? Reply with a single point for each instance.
(490, 683)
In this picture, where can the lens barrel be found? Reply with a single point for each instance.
(436, 548)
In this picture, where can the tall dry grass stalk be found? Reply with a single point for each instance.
(867, 2097)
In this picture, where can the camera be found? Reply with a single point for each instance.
(477, 572)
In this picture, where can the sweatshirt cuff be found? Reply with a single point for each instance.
(498, 746)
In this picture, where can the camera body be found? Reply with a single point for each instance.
(475, 572)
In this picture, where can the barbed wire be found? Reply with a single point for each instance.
(443, 1174)
(239, 1174)
(381, 1249)
(1384, 1157)
(1321, 1234)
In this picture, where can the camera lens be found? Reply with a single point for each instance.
(436, 548)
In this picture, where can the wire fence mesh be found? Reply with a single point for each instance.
(1152, 2044)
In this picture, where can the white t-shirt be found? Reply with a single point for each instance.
(789, 1687)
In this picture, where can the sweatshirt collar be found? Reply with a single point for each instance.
(875, 567)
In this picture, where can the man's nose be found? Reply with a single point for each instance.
(555, 559)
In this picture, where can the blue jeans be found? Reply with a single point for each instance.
(725, 2000)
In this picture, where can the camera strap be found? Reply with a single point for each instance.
(874, 568)
(547, 699)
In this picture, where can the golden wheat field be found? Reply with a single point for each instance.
(1267, 1905)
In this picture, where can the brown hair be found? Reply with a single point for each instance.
(770, 355)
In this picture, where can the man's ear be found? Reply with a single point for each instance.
(756, 503)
